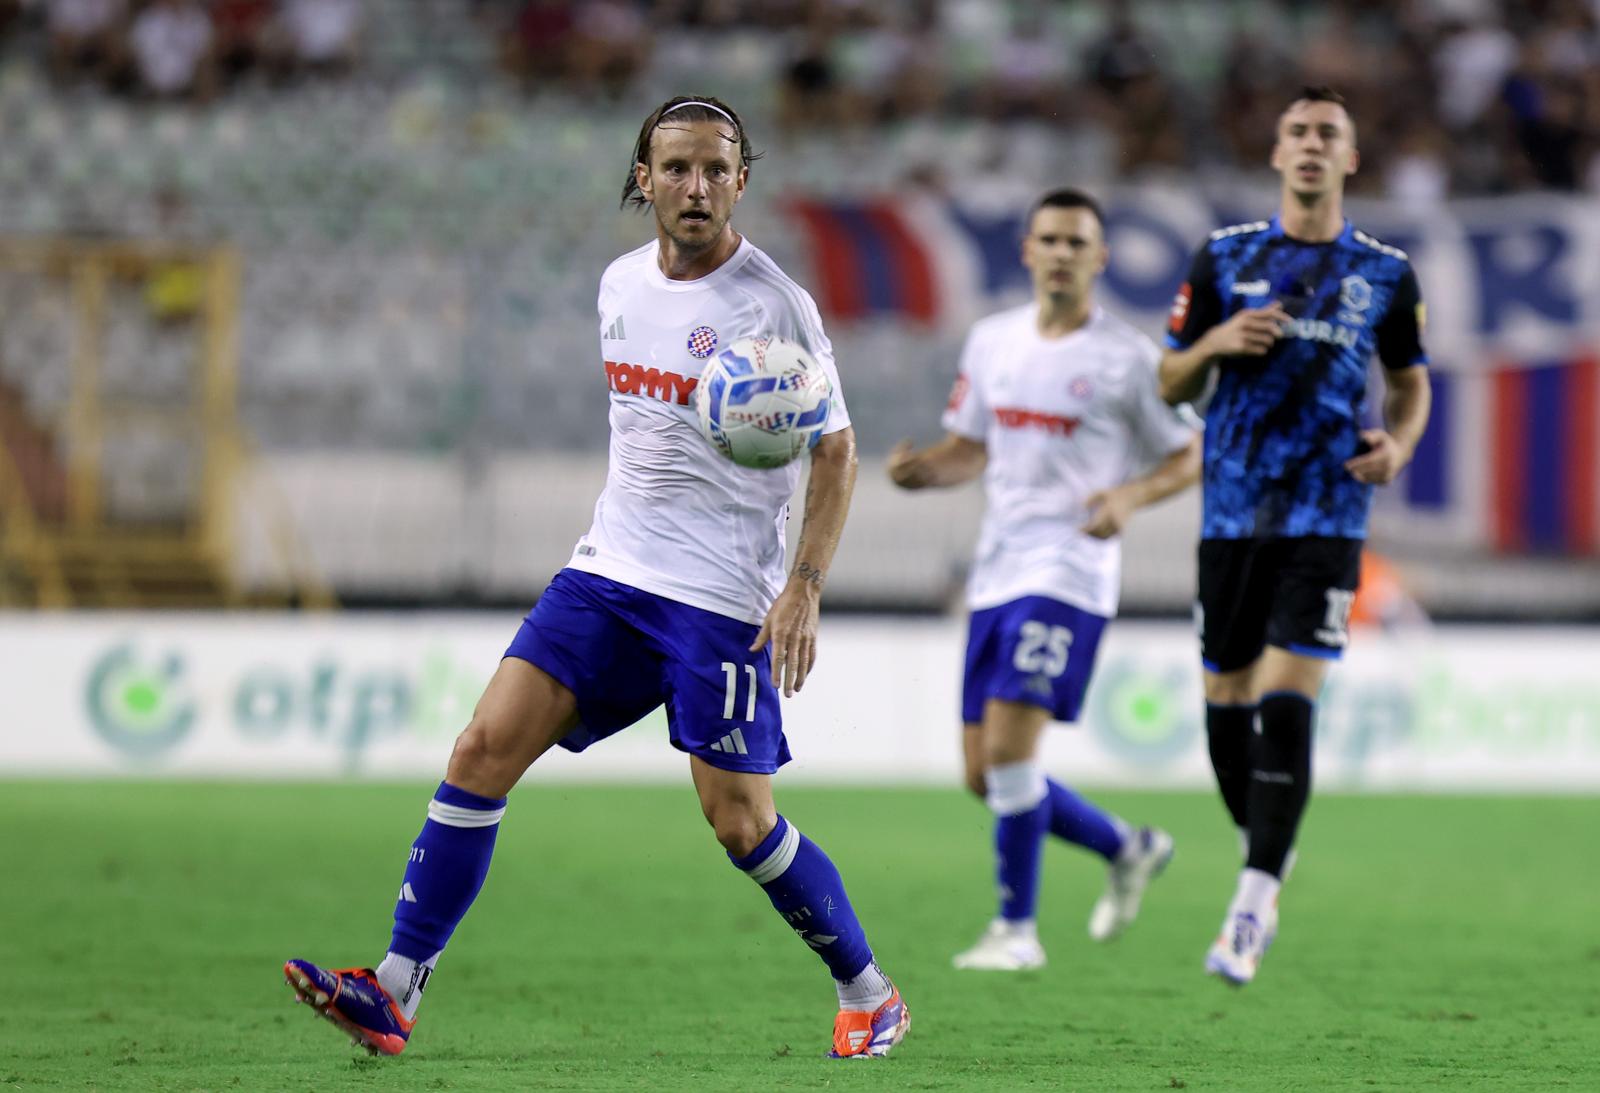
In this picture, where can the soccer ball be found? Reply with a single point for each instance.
(763, 401)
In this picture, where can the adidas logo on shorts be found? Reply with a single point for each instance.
(733, 743)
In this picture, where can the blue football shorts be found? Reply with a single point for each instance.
(623, 652)
(1035, 650)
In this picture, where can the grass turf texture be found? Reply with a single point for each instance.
(1426, 943)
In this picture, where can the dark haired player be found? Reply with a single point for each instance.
(1287, 313)
(672, 597)
(1056, 405)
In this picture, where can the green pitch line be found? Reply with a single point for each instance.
(1427, 942)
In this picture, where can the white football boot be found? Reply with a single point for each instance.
(1244, 940)
(1004, 947)
(1144, 855)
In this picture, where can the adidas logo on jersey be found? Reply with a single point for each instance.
(615, 332)
(733, 744)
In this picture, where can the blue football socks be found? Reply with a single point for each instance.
(448, 864)
(807, 891)
(1019, 799)
(1078, 821)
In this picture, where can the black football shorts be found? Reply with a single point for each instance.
(1295, 594)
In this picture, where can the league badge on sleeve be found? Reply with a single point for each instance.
(702, 342)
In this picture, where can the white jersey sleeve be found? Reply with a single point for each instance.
(965, 414)
(676, 518)
(1160, 428)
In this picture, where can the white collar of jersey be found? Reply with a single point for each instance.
(1096, 313)
(653, 272)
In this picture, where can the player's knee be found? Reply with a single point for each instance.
(1232, 689)
(482, 758)
(999, 751)
(977, 781)
(739, 826)
(739, 837)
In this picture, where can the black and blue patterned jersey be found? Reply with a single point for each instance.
(1280, 427)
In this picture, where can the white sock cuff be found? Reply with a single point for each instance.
(773, 866)
(459, 816)
(1257, 890)
(867, 991)
(405, 979)
(1015, 787)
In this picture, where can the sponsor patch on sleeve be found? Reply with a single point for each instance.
(1180, 308)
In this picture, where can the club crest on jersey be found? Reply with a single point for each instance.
(702, 342)
(1081, 389)
(1355, 293)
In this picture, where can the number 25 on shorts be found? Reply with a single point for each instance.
(1042, 648)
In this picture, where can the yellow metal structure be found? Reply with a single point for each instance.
(61, 544)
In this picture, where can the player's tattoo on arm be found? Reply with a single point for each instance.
(810, 574)
(833, 474)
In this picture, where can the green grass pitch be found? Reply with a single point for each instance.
(1427, 942)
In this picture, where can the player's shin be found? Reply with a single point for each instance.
(1231, 737)
(808, 892)
(447, 867)
(1281, 779)
(1018, 797)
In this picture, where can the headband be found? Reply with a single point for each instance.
(708, 106)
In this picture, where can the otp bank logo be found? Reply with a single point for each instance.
(636, 379)
(1143, 714)
(139, 706)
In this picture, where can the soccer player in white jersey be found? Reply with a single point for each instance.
(676, 595)
(1056, 405)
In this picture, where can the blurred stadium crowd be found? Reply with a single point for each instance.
(422, 192)
(421, 186)
(1455, 96)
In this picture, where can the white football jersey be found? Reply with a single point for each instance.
(677, 518)
(1062, 419)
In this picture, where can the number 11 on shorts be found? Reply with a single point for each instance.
(731, 670)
